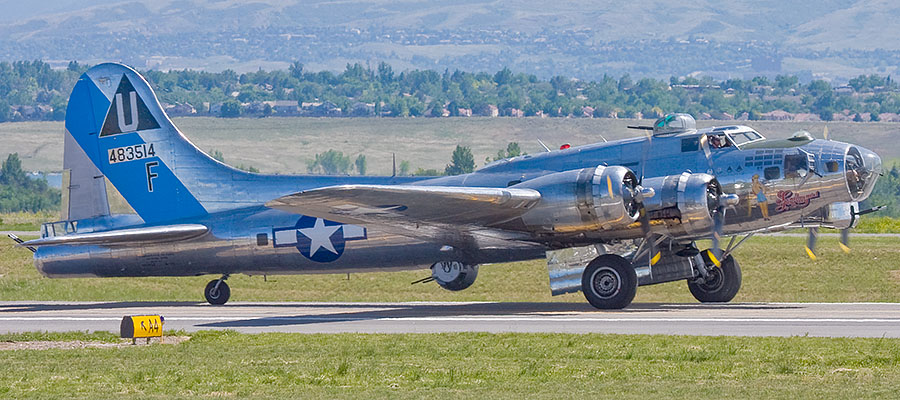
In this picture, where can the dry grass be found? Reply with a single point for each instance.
(285, 145)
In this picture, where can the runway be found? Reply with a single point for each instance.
(743, 319)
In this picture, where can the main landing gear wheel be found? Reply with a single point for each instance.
(721, 284)
(609, 282)
(217, 292)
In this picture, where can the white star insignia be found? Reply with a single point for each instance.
(320, 236)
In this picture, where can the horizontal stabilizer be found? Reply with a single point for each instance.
(154, 234)
(422, 204)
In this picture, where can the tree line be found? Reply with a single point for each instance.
(437, 93)
(18, 192)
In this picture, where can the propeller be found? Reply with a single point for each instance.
(845, 240)
(716, 202)
(635, 199)
(811, 240)
(653, 255)
(813, 236)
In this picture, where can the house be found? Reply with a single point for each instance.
(286, 107)
(326, 109)
(360, 109)
(889, 117)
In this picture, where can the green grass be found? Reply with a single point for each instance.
(26, 221)
(775, 268)
(468, 365)
(97, 336)
(868, 224)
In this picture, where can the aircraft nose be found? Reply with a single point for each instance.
(863, 167)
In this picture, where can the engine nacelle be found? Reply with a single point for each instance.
(689, 199)
(454, 275)
(583, 200)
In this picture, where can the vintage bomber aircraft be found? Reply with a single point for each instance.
(141, 200)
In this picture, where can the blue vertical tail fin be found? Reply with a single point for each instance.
(116, 127)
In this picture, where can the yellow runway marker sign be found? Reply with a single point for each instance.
(141, 326)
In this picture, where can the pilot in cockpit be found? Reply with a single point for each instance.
(718, 142)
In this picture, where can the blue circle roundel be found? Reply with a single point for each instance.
(320, 240)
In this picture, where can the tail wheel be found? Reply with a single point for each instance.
(609, 282)
(722, 283)
(217, 292)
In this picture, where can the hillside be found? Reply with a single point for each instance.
(832, 38)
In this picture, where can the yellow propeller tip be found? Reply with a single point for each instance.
(845, 248)
(655, 259)
(712, 257)
(809, 252)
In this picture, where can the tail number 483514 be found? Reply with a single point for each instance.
(131, 153)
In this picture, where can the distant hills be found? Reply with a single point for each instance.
(660, 38)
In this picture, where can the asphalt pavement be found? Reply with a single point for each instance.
(740, 319)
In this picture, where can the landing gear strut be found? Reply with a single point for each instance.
(609, 282)
(720, 284)
(217, 291)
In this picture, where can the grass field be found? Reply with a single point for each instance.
(774, 269)
(471, 365)
(286, 145)
(26, 221)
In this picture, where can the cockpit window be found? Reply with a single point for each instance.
(718, 141)
(795, 166)
(690, 144)
(740, 138)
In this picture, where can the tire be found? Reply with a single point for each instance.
(217, 297)
(723, 283)
(609, 282)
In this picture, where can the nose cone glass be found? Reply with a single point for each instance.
(863, 167)
(871, 161)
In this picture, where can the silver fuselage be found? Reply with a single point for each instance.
(242, 233)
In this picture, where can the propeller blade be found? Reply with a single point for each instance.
(825, 132)
(719, 224)
(845, 240)
(718, 199)
(811, 243)
(653, 254)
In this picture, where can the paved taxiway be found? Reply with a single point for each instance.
(747, 319)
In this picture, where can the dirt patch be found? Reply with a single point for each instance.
(83, 344)
(895, 275)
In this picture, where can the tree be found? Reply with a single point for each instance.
(404, 168)
(217, 155)
(461, 162)
(12, 172)
(230, 109)
(18, 192)
(426, 172)
(512, 150)
(361, 164)
(296, 70)
(331, 162)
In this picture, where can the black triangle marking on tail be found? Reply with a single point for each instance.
(127, 113)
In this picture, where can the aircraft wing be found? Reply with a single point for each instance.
(442, 213)
(154, 234)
